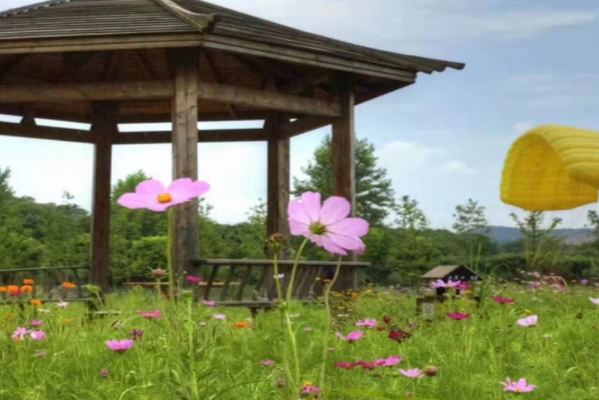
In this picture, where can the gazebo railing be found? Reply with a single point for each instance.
(253, 280)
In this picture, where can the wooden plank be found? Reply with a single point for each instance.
(344, 161)
(148, 90)
(116, 42)
(307, 124)
(285, 263)
(279, 180)
(237, 45)
(185, 155)
(48, 133)
(105, 128)
(209, 136)
(244, 282)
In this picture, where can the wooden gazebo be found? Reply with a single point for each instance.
(111, 62)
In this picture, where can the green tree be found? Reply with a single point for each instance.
(374, 193)
(539, 245)
(472, 229)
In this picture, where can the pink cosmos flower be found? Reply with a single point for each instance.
(596, 301)
(120, 346)
(220, 316)
(104, 373)
(503, 300)
(441, 284)
(36, 323)
(458, 316)
(208, 303)
(62, 304)
(152, 194)
(327, 225)
(308, 388)
(151, 315)
(519, 387)
(388, 362)
(528, 321)
(370, 323)
(308, 329)
(267, 363)
(463, 286)
(411, 373)
(37, 335)
(193, 279)
(584, 281)
(19, 334)
(351, 337)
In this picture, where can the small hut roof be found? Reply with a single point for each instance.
(440, 272)
(100, 18)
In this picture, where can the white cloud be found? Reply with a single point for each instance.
(400, 158)
(457, 167)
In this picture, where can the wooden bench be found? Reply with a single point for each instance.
(164, 286)
(47, 286)
(255, 283)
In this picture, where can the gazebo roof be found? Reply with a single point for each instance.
(97, 18)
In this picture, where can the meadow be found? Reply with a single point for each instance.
(190, 350)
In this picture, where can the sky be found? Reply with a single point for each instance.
(443, 140)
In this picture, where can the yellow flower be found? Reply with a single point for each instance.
(67, 320)
(528, 312)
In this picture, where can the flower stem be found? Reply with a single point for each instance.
(325, 344)
(169, 256)
(294, 270)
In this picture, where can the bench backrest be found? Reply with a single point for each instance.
(238, 280)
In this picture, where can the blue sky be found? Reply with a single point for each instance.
(442, 140)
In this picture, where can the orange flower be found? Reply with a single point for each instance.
(12, 288)
(9, 316)
(27, 289)
(241, 324)
(3, 289)
(27, 281)
(69, 285)
(36, 302)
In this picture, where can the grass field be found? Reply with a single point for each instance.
(187, 353)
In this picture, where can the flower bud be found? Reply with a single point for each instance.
(158, 273)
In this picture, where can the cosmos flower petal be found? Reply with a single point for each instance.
(152, 186)
(330, 246)
(311, 203)
(349, 227)
(334, 209)
(297, 212)
(346, 242)
(133, 200)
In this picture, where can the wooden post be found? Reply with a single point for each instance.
(343, 142)
(104, 130)
(278, 175)
(185, 228)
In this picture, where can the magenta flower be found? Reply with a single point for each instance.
(463, 286)
(267, 363)
(458, 316)
(36, 323)
(388, 362)
(136, 333)
(19, 334)
(411, 373)
(595, 301)
(584, 281)
(328, 225)
(370, 323)
(104, 373)
(193, 279)
(41, 354)
(37, 335)
(208, 303)
(120, 346)
(151, 315)
(152, 194)
(519, 387)
(308, 388)
(220, 316)
(441, 284)
(528, 321)
(503, 300)
(351, 337)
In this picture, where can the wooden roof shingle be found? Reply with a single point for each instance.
(100, 18)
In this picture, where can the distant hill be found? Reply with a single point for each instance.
(507, 234)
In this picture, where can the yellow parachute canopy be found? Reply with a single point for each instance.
(551, 168)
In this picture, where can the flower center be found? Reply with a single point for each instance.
(165, 198)
(317, 228)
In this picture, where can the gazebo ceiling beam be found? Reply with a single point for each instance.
(149, 90)
(204, 136)
(307, 124)
(43, 132)
(218, 79)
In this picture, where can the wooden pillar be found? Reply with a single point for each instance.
(185, 228)
(343, 152)
(278, 175)
(104, 129)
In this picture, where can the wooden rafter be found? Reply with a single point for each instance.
(307, 124)
(12, 64)
(32, 131)
(204, 136)
(219, 79)
(148, 90)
